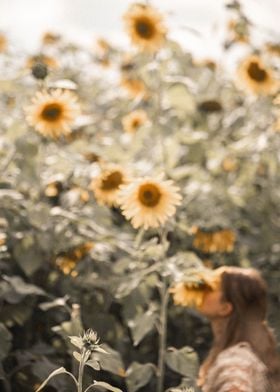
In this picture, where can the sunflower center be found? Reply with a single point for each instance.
(112, 181)
(256, 72)
(144, 28)
(149, 195)
(51, 112)
(136, 123)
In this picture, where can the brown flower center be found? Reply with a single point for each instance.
(210, 106)
(149, 195)
(145, 28)
(256, 72)
(112, 181)
(136, 123)
(51, 112)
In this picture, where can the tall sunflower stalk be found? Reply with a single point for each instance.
(162, 328)
(163, 287)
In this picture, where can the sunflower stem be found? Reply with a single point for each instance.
(164, 297)
(81, 371)
(162, 335)
(139, 237)
(158, 111)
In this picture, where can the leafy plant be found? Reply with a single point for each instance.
(88, 345)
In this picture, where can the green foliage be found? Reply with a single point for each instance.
(68, 263)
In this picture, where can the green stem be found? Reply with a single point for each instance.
(139, 238)
(162, 335)
(81, 371)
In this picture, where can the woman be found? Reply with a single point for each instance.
(244, 357)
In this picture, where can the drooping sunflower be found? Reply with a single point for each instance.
(134, 120)
(256, 76)
(149, 202)
(221, 241)
(191, 292)
(53, 113)
(145, 27)
(68, 262)
(106, 186)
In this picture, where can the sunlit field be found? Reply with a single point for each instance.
(129, 172)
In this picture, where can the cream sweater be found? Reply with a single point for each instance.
(237, 367)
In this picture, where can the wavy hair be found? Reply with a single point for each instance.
(246, 290)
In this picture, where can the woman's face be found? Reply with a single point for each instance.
(214, 306)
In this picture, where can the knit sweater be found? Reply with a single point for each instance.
(237, 367)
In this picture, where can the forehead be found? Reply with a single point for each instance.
(215, 295)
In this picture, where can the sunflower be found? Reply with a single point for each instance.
(134, 120)
(239, 30)
(145, 27)
(214, 241)
(134, 87)
(149, 202)
(50, 38)
(68, 262)
(230, 164)
(41, 59)
(53, 113)
(53, 189)
(259, 79)
(3, 238)
(210, 106)
(273, 48)
(191, 292)
(3, 43)
(106, 186)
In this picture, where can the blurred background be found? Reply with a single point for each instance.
(87, 106)
(198, 25)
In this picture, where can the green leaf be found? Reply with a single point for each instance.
(105, 385)
(17, 313)
(179, 98)
(28, 256)
(138, 375)
(5, 341)
(142, 325)
(77, 356)
(52, 304)
(56, 372)
(22, 288)
(110, 361)
(76, 341)
(127, 285)
(183, 361)
(94, 364)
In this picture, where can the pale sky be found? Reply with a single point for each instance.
(81, 20)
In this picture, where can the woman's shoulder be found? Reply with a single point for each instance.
(237, 367)
(241, 353)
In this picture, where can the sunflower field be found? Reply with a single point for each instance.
(126, 178)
